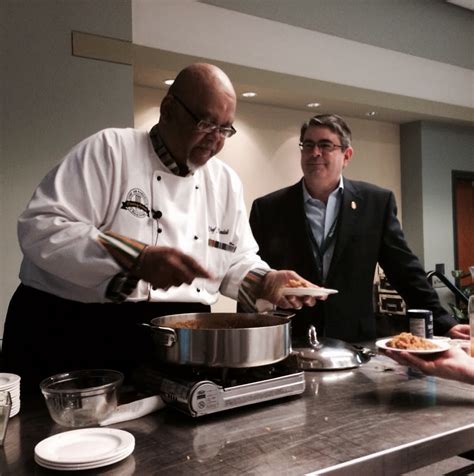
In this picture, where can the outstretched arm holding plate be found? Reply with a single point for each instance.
(453, 364)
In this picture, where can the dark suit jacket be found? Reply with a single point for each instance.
(368, 232)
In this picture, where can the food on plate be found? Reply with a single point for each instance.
(406, 340)
(296, 283)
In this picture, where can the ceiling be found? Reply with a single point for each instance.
(152, 66)
(431, 29)
(469, 4)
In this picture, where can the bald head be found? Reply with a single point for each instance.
(202, 79)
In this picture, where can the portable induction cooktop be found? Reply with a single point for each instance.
(199, 391)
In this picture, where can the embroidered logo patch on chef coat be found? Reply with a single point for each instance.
(136, 203)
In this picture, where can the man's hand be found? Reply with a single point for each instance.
(164, 267)
(453, 364)
(272, 287)
(459, 331)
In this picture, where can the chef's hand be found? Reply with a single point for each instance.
(164, 267)
(272, 290)
(459, 331)
(452, 364)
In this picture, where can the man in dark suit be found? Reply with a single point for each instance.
(333, 232)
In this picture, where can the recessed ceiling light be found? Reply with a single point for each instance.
(249, 94)
(168, 82)
(313, 104)
(371, 113)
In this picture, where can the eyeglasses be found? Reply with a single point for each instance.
(206, 126)
(325, 146)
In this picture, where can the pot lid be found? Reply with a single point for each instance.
(329, 354)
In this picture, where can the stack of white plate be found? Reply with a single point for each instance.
(11, 383)
(87, 448)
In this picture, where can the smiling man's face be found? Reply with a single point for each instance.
(321, 167)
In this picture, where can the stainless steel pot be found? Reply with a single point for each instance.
(233, 340)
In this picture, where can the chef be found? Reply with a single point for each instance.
(132, 225)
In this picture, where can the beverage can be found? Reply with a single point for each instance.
(420, 322)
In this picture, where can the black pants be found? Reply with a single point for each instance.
(45, 334)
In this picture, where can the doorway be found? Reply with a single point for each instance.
(463, 214)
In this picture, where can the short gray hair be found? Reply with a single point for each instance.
(334, 123)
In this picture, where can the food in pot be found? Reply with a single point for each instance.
(406, 340)
(216, 324)
(296, 283)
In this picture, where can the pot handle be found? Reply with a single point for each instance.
(164, 335)
(313, 337)
(278, 313)
(364, 352)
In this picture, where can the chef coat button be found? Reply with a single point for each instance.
(196, 187)
(156, 214)
(159, 230)
(198, 290)
(158, 178)
(196, 237)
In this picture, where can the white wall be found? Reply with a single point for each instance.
(51, 100)
(265, 151)
(444, 148)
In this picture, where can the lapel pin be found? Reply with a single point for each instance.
(353, 205)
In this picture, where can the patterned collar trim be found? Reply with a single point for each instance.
(162, 152)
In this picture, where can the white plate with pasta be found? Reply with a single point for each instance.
(441, 346)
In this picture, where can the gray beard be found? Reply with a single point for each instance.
(191, 167)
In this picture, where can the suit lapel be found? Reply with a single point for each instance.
(348, 218)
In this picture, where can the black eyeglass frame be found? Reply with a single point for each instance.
(322, 145)
(206, 126)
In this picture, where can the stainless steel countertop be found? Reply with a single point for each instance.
(377, 419)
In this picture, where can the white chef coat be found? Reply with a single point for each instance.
(114, 180)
